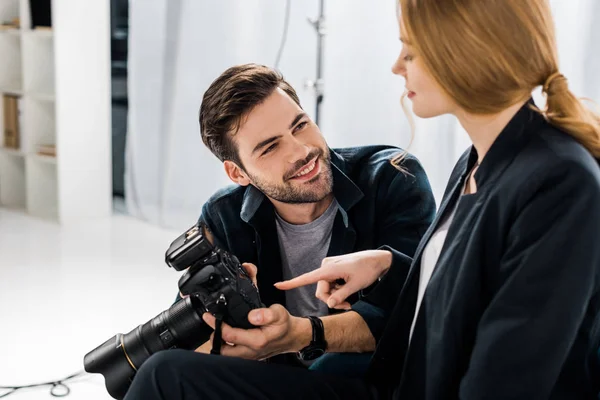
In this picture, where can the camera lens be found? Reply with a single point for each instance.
(118, 359)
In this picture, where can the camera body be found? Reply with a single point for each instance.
(214, 282)
(214, 276)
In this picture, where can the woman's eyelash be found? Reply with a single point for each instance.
(408, 57)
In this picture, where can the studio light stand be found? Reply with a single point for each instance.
(317, 84)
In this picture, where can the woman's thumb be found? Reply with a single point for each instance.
(342, 293)
(338, 297)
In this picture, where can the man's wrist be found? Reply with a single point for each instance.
(301, 333)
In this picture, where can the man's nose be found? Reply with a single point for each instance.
(298, 150)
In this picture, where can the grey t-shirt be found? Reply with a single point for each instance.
(303, 248)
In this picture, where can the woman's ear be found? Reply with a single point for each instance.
(236, 174)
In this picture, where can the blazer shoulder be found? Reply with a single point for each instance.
(552, 152)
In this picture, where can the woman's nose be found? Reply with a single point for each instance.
(399, 67)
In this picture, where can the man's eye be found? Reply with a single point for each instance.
(300, 126)
(269, 149)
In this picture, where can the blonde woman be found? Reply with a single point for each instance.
(502, 299)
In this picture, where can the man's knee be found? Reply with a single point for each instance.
(162, 367)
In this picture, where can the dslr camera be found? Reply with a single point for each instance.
(214, 282)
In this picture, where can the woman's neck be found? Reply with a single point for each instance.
(484, 129)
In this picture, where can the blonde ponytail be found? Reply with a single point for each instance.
(567, 112)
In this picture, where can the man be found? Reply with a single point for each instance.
(296, 201)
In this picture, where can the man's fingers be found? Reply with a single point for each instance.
(251, 338)
(252, 271)
(205, 348)
(306, 279)
(238, 351)
(209, 319)
(266, 316)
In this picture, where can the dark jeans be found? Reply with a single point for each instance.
(183, 374)
(349, 365)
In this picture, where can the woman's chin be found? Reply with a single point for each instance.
(424, 112)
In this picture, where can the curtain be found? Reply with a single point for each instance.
(178, 47)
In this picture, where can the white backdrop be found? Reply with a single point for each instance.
(178, 47)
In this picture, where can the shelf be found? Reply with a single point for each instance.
(9, 10)
(13, 91)
(38, 64)
(12, 152)
(62, 82)
(10, 31)
(40, 33)
(42, 188)
(43, 158)
(10, 67)
(12, 180)
(46, 97)
(40, 124)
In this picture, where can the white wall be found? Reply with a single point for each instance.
(179, 46)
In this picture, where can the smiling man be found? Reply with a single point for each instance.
(296, 200)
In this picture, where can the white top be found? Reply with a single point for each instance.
(431, 254)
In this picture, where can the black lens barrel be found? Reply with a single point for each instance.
(181, 326)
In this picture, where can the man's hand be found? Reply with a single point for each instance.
(356, 270)
(205, 348)
(252, 271)
(277, 332)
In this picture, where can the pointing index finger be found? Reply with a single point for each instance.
(303, 280)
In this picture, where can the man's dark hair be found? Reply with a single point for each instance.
(228, 101)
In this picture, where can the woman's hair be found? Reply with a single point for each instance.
(490, 54)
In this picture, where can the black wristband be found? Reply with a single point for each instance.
(318, 344)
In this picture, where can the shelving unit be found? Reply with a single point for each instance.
(62, 79)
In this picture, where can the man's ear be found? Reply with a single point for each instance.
(236, 174)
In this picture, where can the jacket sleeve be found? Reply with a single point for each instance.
(546, 278)
(375, 307)
(408, 209)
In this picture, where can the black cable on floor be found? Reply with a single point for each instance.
(57, 388)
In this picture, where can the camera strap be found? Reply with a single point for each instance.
(219, 316)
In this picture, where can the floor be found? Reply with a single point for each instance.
(65, 290)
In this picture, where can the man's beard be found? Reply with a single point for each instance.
(290, 193)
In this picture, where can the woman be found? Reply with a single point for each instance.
(505, 287)
(502, 300)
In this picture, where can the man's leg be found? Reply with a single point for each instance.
(349, 365)
(186, 375)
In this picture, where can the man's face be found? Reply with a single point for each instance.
(283, 152)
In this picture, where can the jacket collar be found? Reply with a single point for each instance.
(506, 146)
(345, 191)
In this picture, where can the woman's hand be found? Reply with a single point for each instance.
(356, 270)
